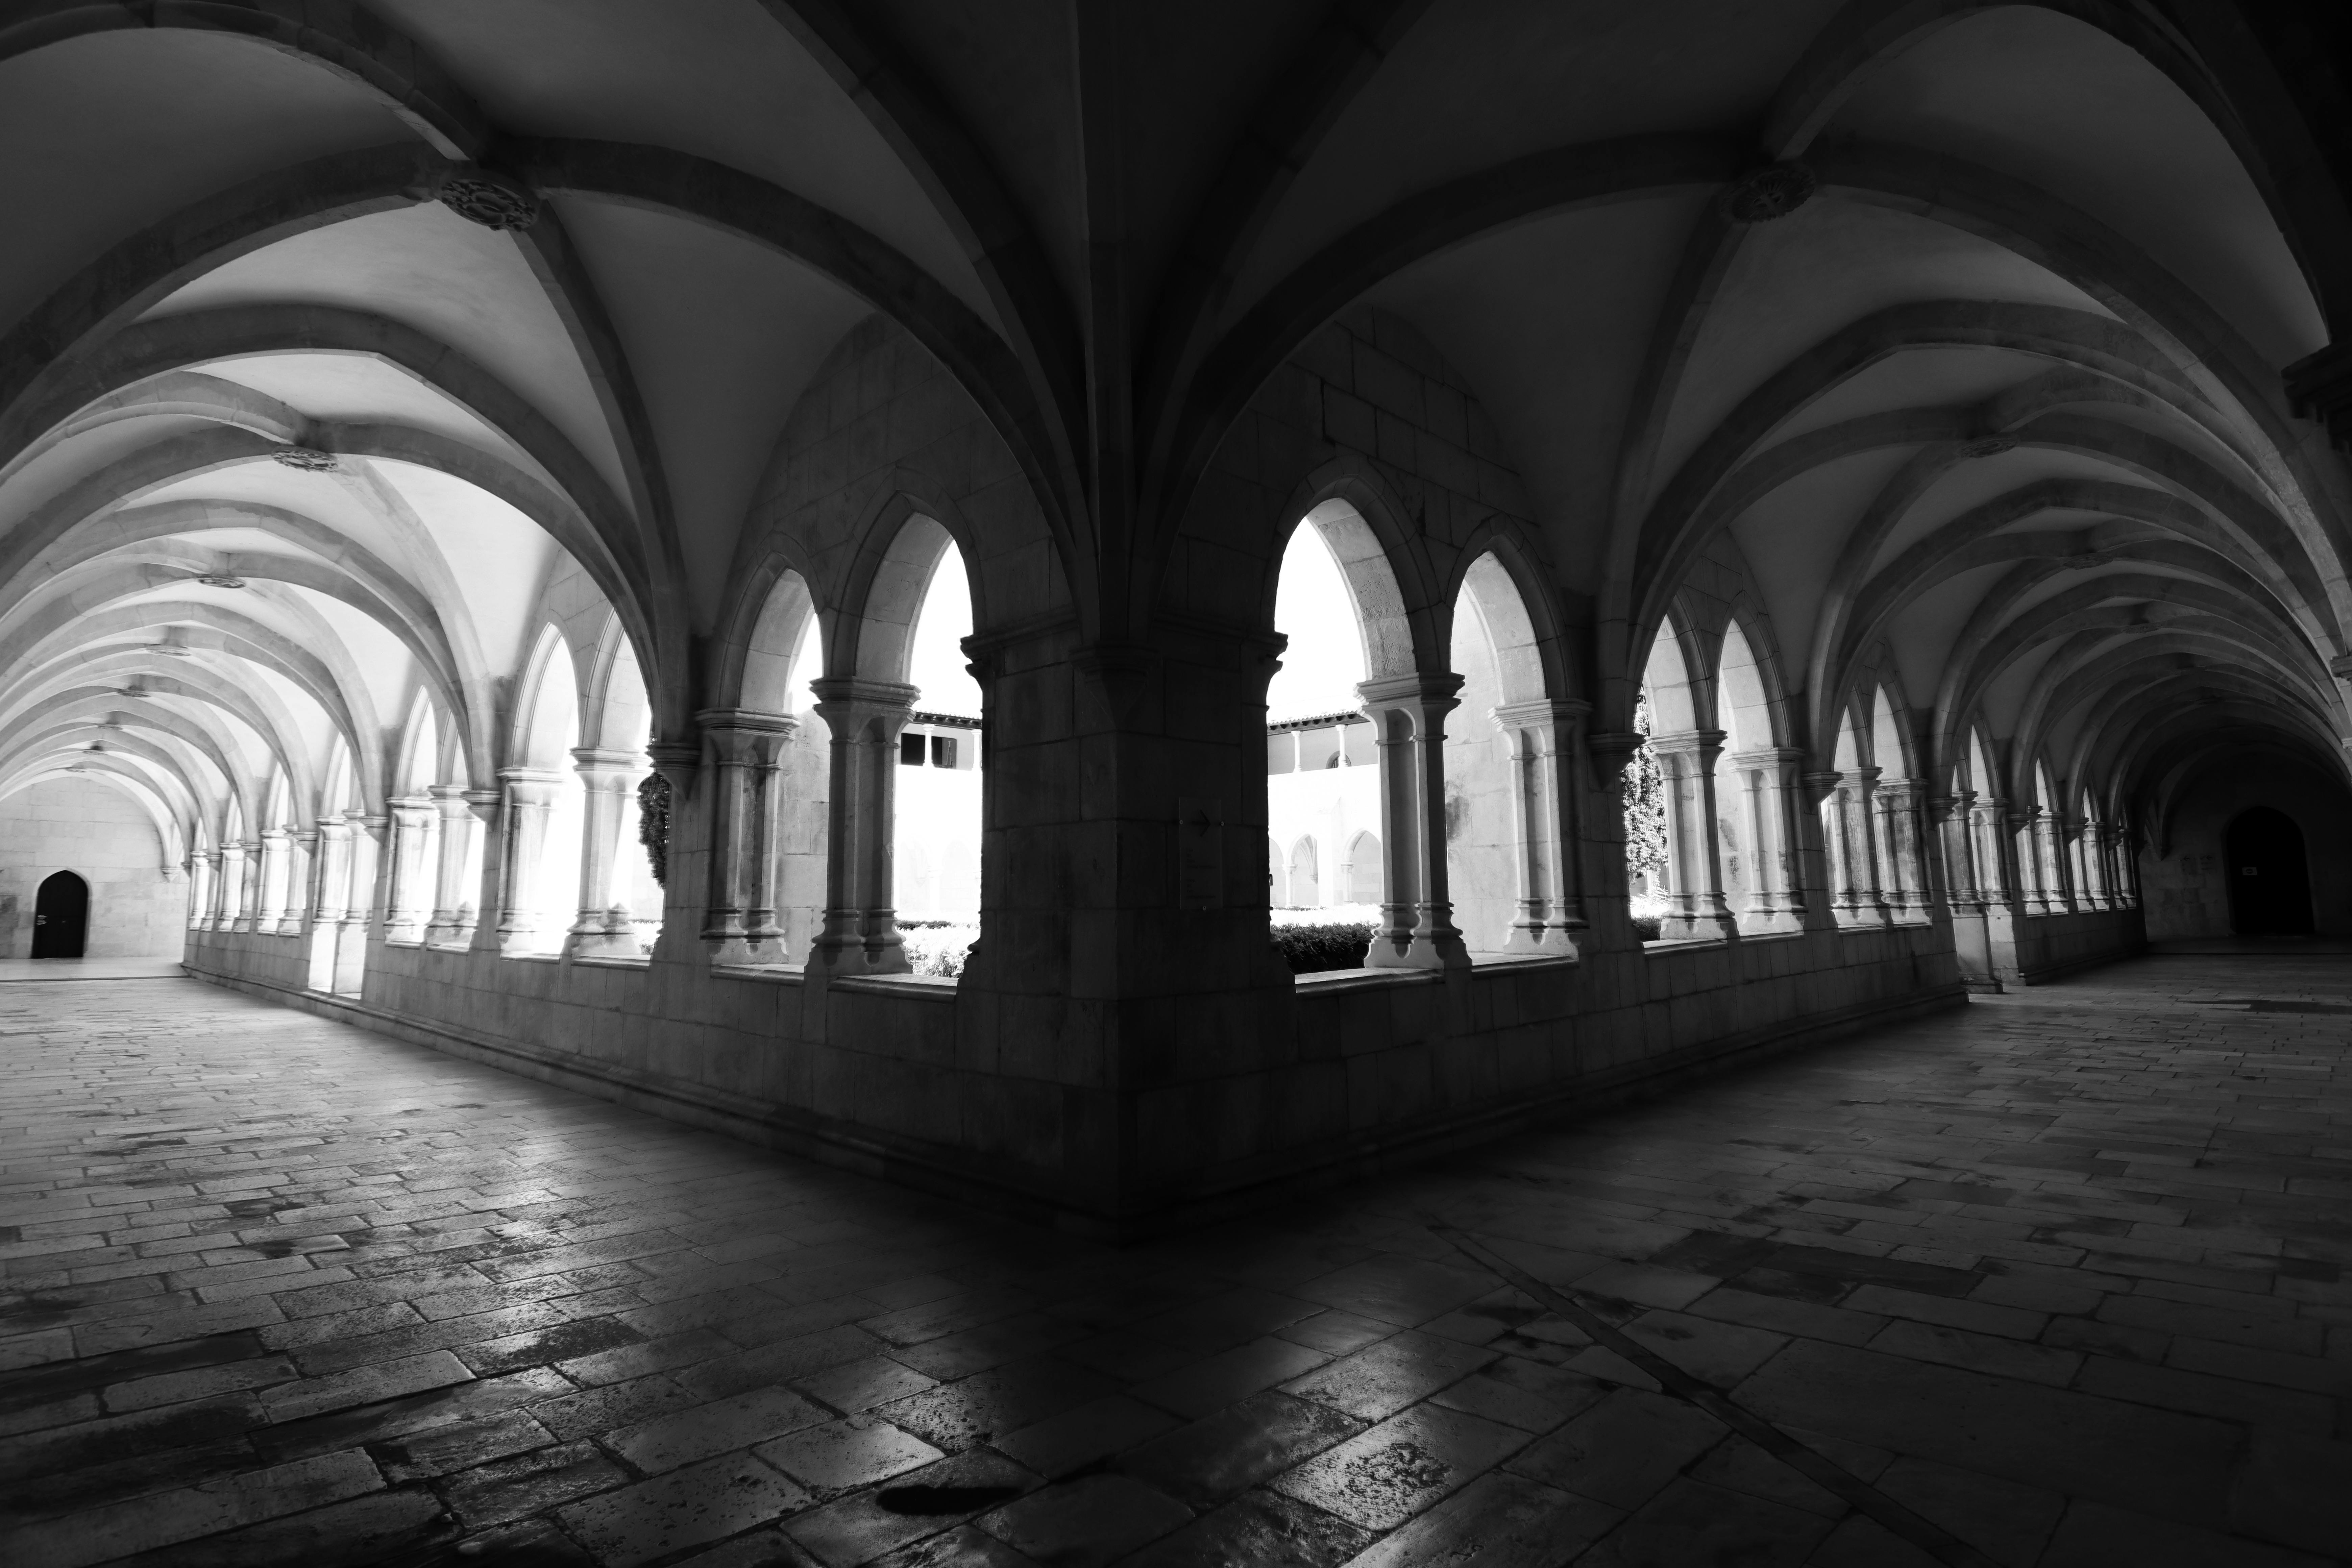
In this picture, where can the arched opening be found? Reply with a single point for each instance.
(1305, 881)
(1895, 806)
(1752, 789)
(1321, 787)
(545, 807)
(1670, 827)
(1503, 860)
(2270, 874)
(1361, 876)
(60, 916)
(936, 828)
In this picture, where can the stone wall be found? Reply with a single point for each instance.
(1125, 1049)
(2184, 875)
(138, 908)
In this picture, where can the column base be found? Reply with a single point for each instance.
(604, 945)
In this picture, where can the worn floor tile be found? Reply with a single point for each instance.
(2063, 1272)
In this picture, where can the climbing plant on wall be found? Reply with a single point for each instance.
(653, 824)
(1645, 802)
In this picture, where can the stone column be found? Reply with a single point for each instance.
(530, 806)
(603, 928)
(1769, 792)
(1607, 882)
(2120, 889)
(2032, 864)
(739, 923)
(2058, 891)
(1836, 810)
(1988, 867)
(454, 820)
(1544, 811)
(861, 921)
(407, 902)
(1408, 714)
(333, 874)
(1693, 848)
(227, 867)
(301, 893)
(1904, 882)
(237, 886)
(203, 868)
(1870, 893)
(269, 904)
(359, 900)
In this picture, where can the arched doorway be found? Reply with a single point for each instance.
(60, 916)
(2269, 880)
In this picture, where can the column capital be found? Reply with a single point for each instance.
(713, 720)
(1417, 690)
(597, 762)
(1686, 742)
(306, 836)
(675, 762)
(1765, 756)
(1539, 710)
(532, 786)
(446, 792)
(848, 691)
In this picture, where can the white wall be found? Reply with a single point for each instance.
(97, 831)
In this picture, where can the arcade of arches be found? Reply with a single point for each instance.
(477, 487)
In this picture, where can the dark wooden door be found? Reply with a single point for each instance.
(2270, 881)
(60, 916)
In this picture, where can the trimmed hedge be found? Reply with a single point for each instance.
(1646, 927)
(1310, 950)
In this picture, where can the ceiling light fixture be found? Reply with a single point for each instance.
(309, 460)
(221, 579)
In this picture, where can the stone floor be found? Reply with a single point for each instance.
(2059, 1275)
(14, 970)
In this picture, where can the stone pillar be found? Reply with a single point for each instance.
(269, 879)
(1769, 791)
(300, 892)
(1542, 737)
(2057, 888)
(530, 806)
(2121, 891)
(2034, 863)
(204, 867)
(332, 874)
(861, 920)
(603, 928)
(1904, 881)
(359, 900)
(1832, 790)
(1408, 714)
(1956, 818)
(1988, 867)
(237, 886)
(226, 870)
(407, 902)
(739, 920)
(1607, 881)
(1694, 847)
(454, 820)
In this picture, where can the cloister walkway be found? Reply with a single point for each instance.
(2058, 1276)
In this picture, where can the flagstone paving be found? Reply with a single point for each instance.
(2060, 1274)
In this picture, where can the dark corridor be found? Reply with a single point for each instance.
(2269, 880)
(60, 916)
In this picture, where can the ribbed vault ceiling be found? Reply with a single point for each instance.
(1995, 411)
